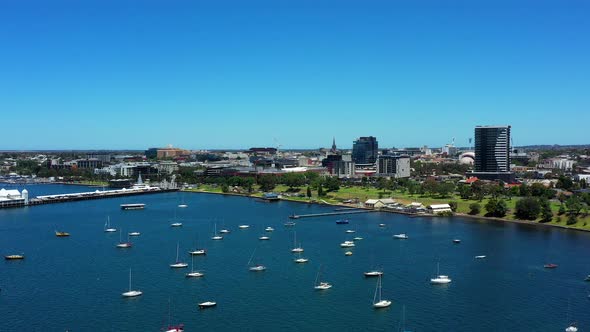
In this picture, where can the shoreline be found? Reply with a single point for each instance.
(465, 215)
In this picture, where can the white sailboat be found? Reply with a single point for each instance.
(178, 264)
(378, 302)
(295, 247)
(197, 251)
(373, 273)
(321, 285)
(193, 273)
(215, 235)
(134, 234)
(175, 222)
(347, 244)
(269, 229)
(440, 279)
(122, 244)
(300, 259)
(131, 293)
(402, 236)
(182, 205)
(244, 226)
(255, 267)
(107, 226)
(264, 238)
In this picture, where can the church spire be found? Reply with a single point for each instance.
(333, 144)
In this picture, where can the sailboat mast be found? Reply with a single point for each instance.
(130, 279)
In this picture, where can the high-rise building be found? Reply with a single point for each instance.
(393, 166)
(364, 150)
(492, 153)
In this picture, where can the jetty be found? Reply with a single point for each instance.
(63, 198)
(327, 214)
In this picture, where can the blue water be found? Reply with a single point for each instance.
(76, 283)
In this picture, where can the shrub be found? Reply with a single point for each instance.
(527, 208)
(474, 208)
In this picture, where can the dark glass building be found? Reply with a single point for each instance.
(492, 153)
(364, 150)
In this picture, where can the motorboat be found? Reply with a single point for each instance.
(480, 257)
(587, 278)
(175, 328)
(207, 304)
(14, 257)
(323, 286)
(342, 222)
(182, 206)
(402, 236)
(130, 292)
(373, 273)
(244, 226)
(289, 223)
(198, 252)
(134, 234)
(269, 229)
(224, 231)
(264, 238)
(62, 234)
(379, 302)
(347, 244)
(348, 253)
(381, 225)
(572, 328)
(358, 238)
(550, 266)
(137, 206)
(176, 224)
(440, 279)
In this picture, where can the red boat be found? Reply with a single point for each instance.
(550, 266)
(175, 328)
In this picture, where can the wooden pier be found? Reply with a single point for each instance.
(49, 199)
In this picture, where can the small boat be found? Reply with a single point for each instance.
(174, 328)
(176, 224)
(402, 236)
(182, 206)
(122, 244)
(107, 226)
(138, 206)
(255, 267)
(198, 252)
(572, 328)
(134, 234)
(321, 285)
(348, 253)
(347, 244)
(193, 273)
(457, 241)
(296, 249)
(301, 259)
(224, 231)
(375, 273)
(269, 229)
(358, 238)
(587, 278)
(289, 223)
(381, 225)
(62, 234)
(378, 302)
(178, 264)
(207, 304)
(342, 222)
(215, 235)
(244, 226)
(480, 257)
(440, 279)
(14, 257)
(350, 231)
(550, 266)
(131, 293)
(264, 238)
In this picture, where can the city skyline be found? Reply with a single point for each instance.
(112, 75)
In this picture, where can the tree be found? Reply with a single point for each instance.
(527, 208)
(561, 210)
(430, 186)
(477, 190)
(308, 192)
(546, 213)
(474, 208)
(267, 182)
(464, 191)
(453, 206)
(293, 180)
(224, 187)
(564, 182)
(574, 205)
(445, 189)
(331, 183)
(524, 190)
(571, 219)
(496, 208)
(320, 191)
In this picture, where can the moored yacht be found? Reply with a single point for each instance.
(178, 264)
(269, 229)
(402, 236)
(375, 273)
(347, 244)
(207, 304)
(379, 302)
(440, 279)
(130, 292)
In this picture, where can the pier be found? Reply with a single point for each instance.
(327, 214)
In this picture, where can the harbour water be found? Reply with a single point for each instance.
(76, 283)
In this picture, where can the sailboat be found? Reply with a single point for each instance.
(403, 322)
(172, 328)
(193, 273)
(440, 279)
(197, 251)
(373, 273)
(175, 223)
(321, 285)
(182, 205)
(378, 302)
(300, 259)
(178, 264)
(264, 238)
(107, 226)
(122, 244)
(215, 235)
(131, 293)
(295, 247)
(255, 267)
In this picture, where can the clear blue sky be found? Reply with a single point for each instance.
(234, 74)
